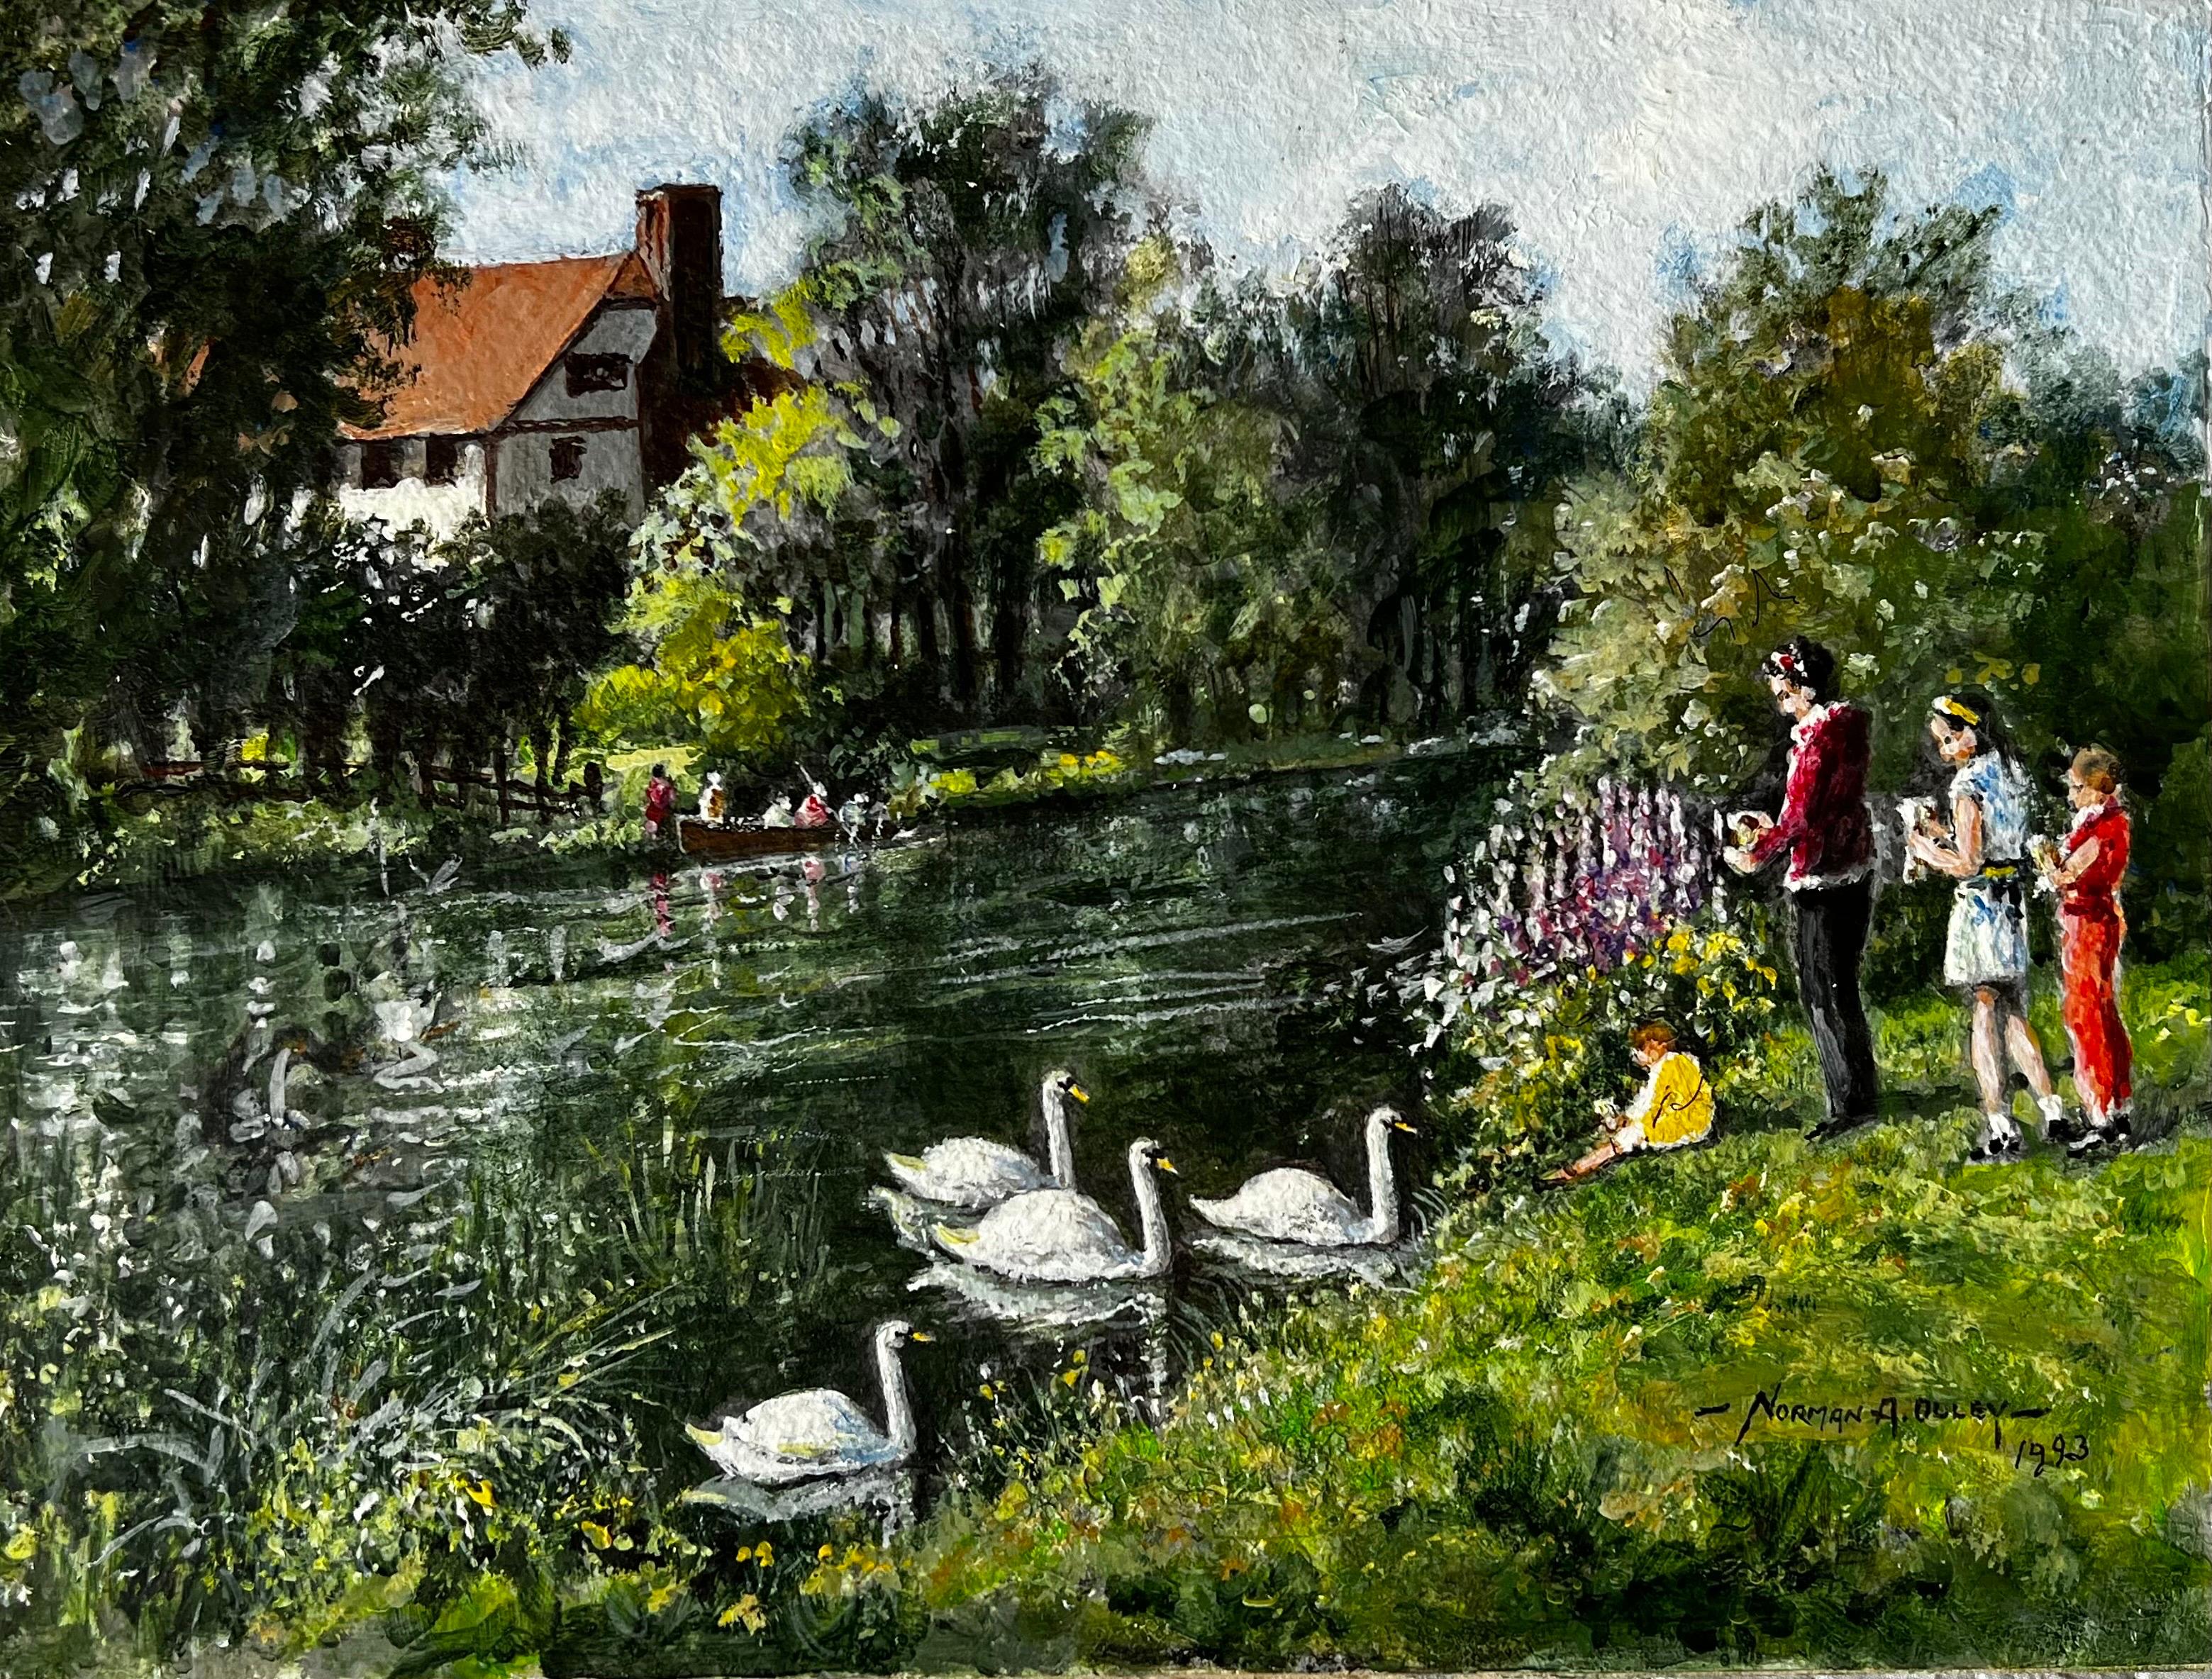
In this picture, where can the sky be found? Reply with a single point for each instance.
(1627, 138)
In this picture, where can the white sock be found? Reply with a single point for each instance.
(2051, 1106)
(2000, 1127)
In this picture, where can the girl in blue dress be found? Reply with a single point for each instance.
(1985, 851)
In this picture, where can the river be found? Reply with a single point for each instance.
(614, 1130)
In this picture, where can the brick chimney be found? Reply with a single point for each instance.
(679, 236)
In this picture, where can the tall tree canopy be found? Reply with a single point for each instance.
(1857, 436)
(1327, 500)
(1029, 464)
(888, 504)
(1442, 422)
(1205, 602)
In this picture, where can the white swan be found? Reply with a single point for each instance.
(818, 1430)
(1291, 1205)
(1055, 1235)
(974, 1173)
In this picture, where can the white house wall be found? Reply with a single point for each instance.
(440, 508)
(613, 461)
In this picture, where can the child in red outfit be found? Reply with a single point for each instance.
(2086, 873)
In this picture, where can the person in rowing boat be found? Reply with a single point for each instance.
(713, 802)
(660, 801)
(814, 810)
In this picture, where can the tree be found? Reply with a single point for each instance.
(1442, 426)
(1856, 437)
(893, 501)
(216, 213)
(710, 669)
(1204, 601)
(462, 648)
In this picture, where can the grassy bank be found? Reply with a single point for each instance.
(1762, 1401)
(1125, 765)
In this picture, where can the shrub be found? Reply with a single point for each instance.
(1575, 923)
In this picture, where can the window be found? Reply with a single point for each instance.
(379, 464)
(441, 460)
(587, 373)
(568, 458)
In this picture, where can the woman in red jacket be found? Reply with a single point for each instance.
(2086, 873)
(1827, 833)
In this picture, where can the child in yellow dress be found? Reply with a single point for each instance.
(1673, 1109)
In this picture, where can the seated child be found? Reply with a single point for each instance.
(1674, 1108)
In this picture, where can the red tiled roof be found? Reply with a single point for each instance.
(480, 345)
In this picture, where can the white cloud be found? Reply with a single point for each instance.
(1618, 132)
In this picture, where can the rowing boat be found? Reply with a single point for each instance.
(721, 842)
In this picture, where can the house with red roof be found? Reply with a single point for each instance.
(523, 382)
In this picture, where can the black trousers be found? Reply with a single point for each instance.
(1830, 935)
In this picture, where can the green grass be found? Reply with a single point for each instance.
(195, 836)
(1125, 765)
(1508, 1463)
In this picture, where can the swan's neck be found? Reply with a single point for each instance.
(1151, 1217)
(1382, 1185)
(898, 1415)
(1059, 1149)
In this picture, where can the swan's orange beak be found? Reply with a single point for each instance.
(1079, 1092)
(919, 1335)
(1165, 1164)
(1399, 1125)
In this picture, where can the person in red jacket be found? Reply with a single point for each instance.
(2086, 872)
(1828, 832)
(813, 810)
(660, 801)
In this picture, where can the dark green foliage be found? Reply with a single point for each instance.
(968, 241)
(1039, 468)
(1322, 508)
(1439, 425)
(212, 214)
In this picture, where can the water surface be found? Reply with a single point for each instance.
(615, 1131)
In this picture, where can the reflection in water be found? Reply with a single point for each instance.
(980, 1296)
(890, 1490)
(602, 1145)
(1292, 1261)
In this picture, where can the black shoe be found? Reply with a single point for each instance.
(1996, 1150)
(2068, 1128)
(2116, 1134)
